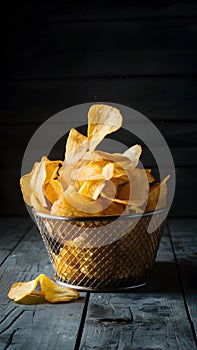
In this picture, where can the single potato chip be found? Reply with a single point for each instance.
(133, 153)
(24, 292)
(37, 183)
(96, 170)
(37, 206)
(54, 293)
(33, 298)
(113, 209)
(76, 146)
(92, 189)
(149, 176)
(22, 289)
(71, 203)
(157, 197)
(102, 120)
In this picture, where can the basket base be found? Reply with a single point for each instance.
(99, 290)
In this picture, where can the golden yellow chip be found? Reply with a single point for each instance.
(149, 176)
(92, 189)
(96, 170)
(33, 298)
(37, 206)
(37, 183)
(24, 292)
(102, 120)
(157, 195)
(22, 289)
(114, 209)
(133, 153)
(139, 187)
(80, 203)
(53, 186)
(76, 146)
(54, 293)
(80, 185)
(25, 184)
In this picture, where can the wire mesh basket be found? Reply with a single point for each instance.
(102, 253)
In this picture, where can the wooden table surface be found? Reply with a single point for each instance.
(162, 315)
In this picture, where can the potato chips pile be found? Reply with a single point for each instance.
(27, 293)
(90, 182)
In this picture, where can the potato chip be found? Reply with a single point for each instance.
(76, 146)
(102, 120)
(76, 200)
(37, 182)
(133, 153)
(92, 189)
(54, 293)
(22, 289)
(25, 184)
(157, 196)
(62, 208)
(52, 170)
(96, 170)
(124, 191)
(139, 187)
(114, 157)
(82, 184)
(32, 299)
(114, 209)
(149, 176)
(109, 190)
(53, 186)
(53, 190)
(37, 206)
(25, 293)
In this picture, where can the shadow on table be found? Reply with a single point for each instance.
(167, 277)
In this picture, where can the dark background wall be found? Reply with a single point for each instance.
(140, 54)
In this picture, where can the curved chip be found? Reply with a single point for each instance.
(157, 197)
(22, 289)
(24, 292)
(96, 170)
(76, 146)
(133, 153)
(92, 189)
(54, 293)
(80, 203)
(102, 120)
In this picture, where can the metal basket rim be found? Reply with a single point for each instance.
(100, 218)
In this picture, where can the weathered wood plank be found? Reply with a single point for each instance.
(150, 318)
(161, 98)
(47, 325)
(184, 239)
(12, 231)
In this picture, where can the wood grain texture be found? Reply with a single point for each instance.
(149, 318)
(33, 326)
(12, 231)
(161, 98)
(184, 240)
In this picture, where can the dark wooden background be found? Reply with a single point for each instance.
(58, 54)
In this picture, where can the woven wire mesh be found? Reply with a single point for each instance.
(102, 253)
